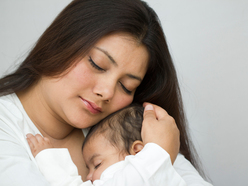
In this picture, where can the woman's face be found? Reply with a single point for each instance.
(99, 84)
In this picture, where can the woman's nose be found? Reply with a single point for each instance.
(105, 89)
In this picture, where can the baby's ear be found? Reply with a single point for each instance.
(137, 146)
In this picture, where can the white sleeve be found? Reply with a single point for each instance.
(188, 172)
(16, 166)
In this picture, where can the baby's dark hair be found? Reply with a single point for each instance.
(121, 128)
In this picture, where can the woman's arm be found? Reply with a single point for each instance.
(152, 166)
(160, 128)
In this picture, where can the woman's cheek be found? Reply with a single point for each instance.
(123, 102)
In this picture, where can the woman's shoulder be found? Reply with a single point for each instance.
(10, 107)
(13, 118)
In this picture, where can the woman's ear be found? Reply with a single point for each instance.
(137, 146)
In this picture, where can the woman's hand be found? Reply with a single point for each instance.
(160, 128)
(38, 143)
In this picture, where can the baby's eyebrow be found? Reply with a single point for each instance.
(93, 156)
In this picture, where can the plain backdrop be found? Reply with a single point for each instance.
(208, 40)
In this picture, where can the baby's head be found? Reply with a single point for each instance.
(112, 139)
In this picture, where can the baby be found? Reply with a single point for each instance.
(108, 148)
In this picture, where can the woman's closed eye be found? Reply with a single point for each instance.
(94, 65)
(125, 89)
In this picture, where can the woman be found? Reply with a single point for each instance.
(95, 58)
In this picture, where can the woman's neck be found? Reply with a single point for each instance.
(61, 134)
(44, 118)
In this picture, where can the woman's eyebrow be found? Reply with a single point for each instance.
(108, 55)
(134, 77)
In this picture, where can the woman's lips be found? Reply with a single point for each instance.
(92, 107)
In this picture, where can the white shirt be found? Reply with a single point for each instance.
(19, 168)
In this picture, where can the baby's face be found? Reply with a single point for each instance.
(98, 155)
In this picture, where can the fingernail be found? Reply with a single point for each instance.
(149, 107)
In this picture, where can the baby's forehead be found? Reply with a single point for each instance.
(97, 145)
(96, 137)
(96, 140)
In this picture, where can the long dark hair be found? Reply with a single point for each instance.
(79, 26)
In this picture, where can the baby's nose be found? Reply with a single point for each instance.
(89, 177)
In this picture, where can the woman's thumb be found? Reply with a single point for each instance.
(149, 111)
